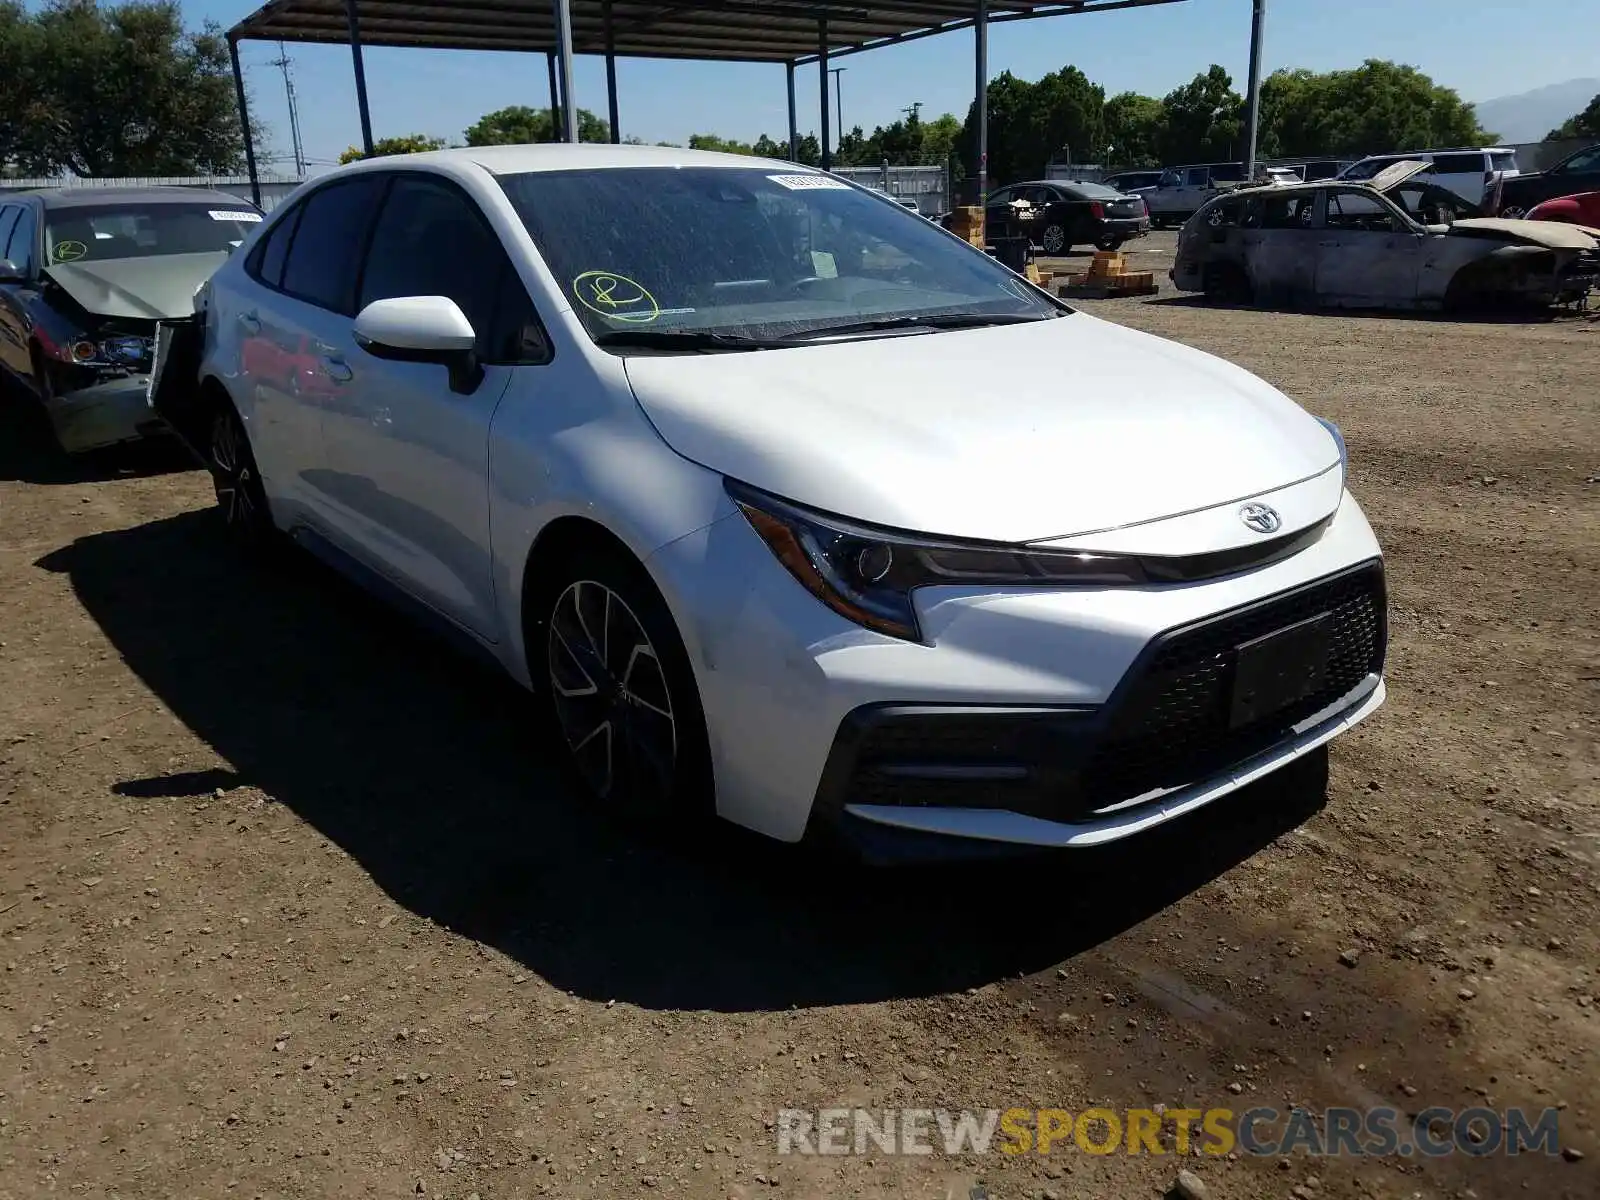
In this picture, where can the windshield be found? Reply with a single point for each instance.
(95, 233)
(751, 252)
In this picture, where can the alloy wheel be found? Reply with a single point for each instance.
(232, 472)
(1513, 212)
(611, 697)
(1054, 240)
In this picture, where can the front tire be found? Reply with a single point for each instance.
(241, 498)
(621, 692)
(1053, 240)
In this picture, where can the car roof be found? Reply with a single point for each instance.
(566, 156)
(90, 197)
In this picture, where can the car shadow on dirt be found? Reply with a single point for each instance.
(28, 454)
(430, 772)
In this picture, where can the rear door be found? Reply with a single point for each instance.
(13, 318)
(1280, 239)
(1368, 255)
(295, 338)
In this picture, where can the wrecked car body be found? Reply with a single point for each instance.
(86, 274)
(1391, 242)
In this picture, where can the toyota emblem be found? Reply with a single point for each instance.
(1261, 517)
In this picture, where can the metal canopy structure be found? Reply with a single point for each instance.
(792, 32)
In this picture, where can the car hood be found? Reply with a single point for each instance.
(1015, 433)
(151, 289)
(1552, 234)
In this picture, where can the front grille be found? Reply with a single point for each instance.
(1171, 725)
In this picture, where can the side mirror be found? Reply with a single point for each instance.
(428, 329)
(11, 273)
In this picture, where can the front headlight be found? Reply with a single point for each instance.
(867, 575)
(1338, 440)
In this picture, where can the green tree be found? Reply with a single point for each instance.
(1202, 119)
(116, 89)
(721, 145)
(520, 125)
(1376, 108)
(1585, 124)
(1134, 128)
(411, 143)
(1068, 119)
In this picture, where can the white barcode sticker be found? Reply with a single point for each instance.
(810, 183)
(249, 218)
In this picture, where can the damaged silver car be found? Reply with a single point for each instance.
(85, 275)
(1391, 242)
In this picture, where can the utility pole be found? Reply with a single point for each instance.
(282, 62)
(838, 96)
(914, 110)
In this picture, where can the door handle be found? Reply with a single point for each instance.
(336, 369)
(250, 322)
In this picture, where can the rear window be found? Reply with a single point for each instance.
(1460, 164)
(1092, 191)
(1503, 160)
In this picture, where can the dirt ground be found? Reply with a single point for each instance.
(293, 903)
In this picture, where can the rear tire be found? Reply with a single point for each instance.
(1053, 241)
(236, 480)
(1513, 212)
(619, 691)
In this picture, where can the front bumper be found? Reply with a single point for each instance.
(1082, 776)
(104, 414)
(1125, 227)
(786, 685)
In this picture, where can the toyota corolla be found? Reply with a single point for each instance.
(756, 480)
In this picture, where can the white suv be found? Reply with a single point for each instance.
(1470, 174)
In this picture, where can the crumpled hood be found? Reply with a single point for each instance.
(1554, 234)
(1011, 433)
(150, 289)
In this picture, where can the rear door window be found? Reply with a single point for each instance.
(1287, 212)
(321, 268)
(267, 259)
(19, 248)
(1198, 177)
(1460, 164)
(8, 222)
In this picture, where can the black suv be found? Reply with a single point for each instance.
(1578, 172)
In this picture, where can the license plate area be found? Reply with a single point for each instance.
(1275, 670)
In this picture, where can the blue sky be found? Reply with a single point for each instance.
(1482, 51)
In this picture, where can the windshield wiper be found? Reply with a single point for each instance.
(686, 340)
(927, 321)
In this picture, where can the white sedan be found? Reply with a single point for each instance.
(782, 501)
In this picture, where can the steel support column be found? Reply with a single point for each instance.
(981, 30)
(569, 111)
(361, 75)
(244, 123)
(794, 131)
(555, 97)
(611, 79)
(1258, 18)
(822, 74)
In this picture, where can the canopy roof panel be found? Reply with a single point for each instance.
(712, 30)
